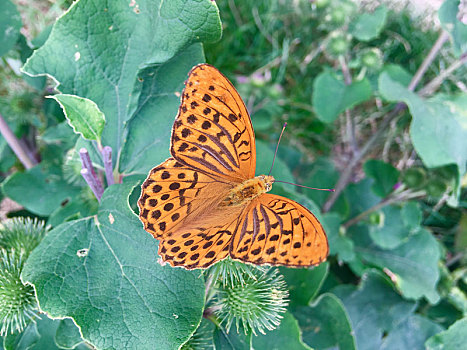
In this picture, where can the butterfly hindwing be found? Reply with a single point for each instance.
(199, 247)
(279, 231)
(212, 131)
(174, 194)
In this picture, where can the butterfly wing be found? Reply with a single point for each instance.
(213, 131)
(278, 231)
(175, 194)
(202, 244)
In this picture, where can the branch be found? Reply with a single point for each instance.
(15, 145)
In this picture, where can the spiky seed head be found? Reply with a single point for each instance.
(257, 304)
(21, 234)
(17, 301)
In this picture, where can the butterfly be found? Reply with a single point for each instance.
(204, 203)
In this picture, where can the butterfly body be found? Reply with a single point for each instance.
(204, 203)
(248, 190)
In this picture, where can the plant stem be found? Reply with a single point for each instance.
(387, 201)
(107, 159)
(347, 173)
(428, 60)
(93, 183)
(90, 175)
(429, 88)
(15, 145)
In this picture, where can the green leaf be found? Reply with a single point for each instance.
(384, 175)
(264, 157)
(104, 45)
(448, 16)
(232, 340)
(413, 265)
(37, 336)
(339, 243)
(76, 208)
(40, 189)
(304, 284)
(67, 335)
(331, 96)
(83, 115)
(398, 74)
(452, 338)
(411, 333)
(147, 144)
(323, 174)
(392, 232)
(367, 26)
(325, 324)
(22, 341)
(286, 336)
(103, 272)
(374, 308)
(438, 129)
(411, 215)
(10, 24)
(361, 196)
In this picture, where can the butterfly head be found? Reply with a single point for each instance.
(267, 181)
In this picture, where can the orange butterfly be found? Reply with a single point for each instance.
(205, 203)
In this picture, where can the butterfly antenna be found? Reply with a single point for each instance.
(311, 188)
(277, 147)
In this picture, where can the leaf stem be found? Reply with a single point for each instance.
(90, 175)
(16, 145)
(107, 159)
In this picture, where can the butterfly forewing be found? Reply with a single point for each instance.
(174, 194)
(279, 231)
(213, 131)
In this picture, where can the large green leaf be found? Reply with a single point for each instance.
(10, 24)
(304, 284)
(286, 336)
(411, 333)
(156, 106)
(41, 190)
(413, 265)
(325, 324)
(103, 272)
(331, 96)
(367, 26)
(374, 308)
(448, 16)
(103, 45)
(438, 129)
(452, 338)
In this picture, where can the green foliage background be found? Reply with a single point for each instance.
(360, 118)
